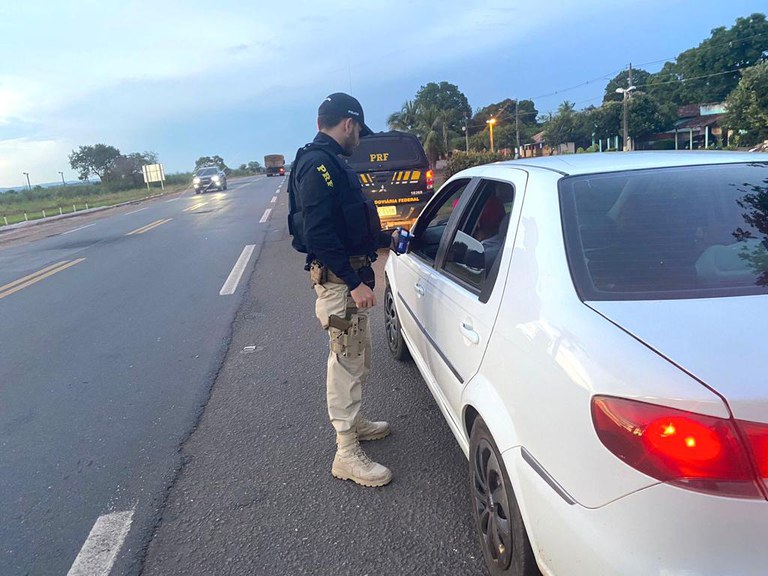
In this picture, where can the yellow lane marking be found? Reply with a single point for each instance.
(21, 283)
(149, 226)
(195, 207)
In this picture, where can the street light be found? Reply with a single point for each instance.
(490, 123)
(626, 92)
(62, 178)
(28, 184)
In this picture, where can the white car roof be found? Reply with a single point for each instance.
(592, 163)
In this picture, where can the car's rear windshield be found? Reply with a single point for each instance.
(387, 153)
(699, 231)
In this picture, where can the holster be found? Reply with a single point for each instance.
(318, 274)
(347, 334)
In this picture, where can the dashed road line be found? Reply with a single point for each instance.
(76, 229)
(22, 283)
(98, 554)
(237, 272)
(274, 199)
(149, 226)
(135, 211)
(195, 207)
(265, 217)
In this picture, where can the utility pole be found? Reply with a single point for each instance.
(63, 183)
(28, 183)
(517, 129)
(626, 93)
(466, 131)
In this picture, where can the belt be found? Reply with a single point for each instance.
(356, 262)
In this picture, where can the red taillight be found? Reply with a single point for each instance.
(690, 450)
(757, 435)
(430, 179)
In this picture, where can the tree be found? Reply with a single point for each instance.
(127, 169)
(709, 72)
(561, 128)
(640, 78)
(431, 131)
(748, 106)
(504, 132)
(406, 119)
(448, 100)
(211, 161)
(254, 167)
(97, 159)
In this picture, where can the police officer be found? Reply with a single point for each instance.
(339, 229)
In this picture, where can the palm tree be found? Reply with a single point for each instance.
(430, 131)
(406, 119)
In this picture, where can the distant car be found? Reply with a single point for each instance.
(394, 172)
(208, 178)
(591, 327)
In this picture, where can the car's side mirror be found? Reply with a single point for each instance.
(400, 240)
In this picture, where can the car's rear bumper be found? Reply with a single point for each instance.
(658, 530)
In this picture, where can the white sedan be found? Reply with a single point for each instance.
(592, 328)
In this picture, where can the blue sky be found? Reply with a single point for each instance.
(243, 78)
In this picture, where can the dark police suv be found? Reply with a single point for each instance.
(394, 172)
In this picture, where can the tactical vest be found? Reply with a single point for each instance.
(361, 218)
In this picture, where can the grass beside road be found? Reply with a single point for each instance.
(13, 207)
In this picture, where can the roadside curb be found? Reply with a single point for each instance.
(38, 221)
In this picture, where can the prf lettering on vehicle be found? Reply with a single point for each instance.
(327, 177)
(379, 157)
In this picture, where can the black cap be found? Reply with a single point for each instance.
(344, 105)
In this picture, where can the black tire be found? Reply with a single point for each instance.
(499, 525)
(197, 191)
(395, 341)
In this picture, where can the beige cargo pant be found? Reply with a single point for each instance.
(345, 375)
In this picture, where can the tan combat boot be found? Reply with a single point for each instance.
(367, 430)
(351, 463)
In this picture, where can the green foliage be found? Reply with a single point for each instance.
(639, 78)
(462, 160)
(97, 160)
(748, 106)
(212, 161)
(709, 72)
(504, 131)
(563, 126)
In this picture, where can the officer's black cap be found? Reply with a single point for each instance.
(344, 105)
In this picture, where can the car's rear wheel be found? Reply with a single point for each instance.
(503, 538)
(395, 340)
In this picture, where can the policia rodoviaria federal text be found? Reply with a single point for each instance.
(333, 223)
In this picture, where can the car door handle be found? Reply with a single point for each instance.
(469, 333)
(419, 289)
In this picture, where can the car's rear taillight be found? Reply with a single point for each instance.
(430, 179)
(757, 437)
(689, 450)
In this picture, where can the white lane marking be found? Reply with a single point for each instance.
(265, 217)
(102, 545)
(274, 199)
(277, 191)
(76, 229)
(172, 200)
(135, 211)
(234, 277)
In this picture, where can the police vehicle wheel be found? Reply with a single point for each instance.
(498, 522)
(395, 340)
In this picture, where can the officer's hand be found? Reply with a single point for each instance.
(363, 296)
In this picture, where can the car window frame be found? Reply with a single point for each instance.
(467, 204)
(445, 192)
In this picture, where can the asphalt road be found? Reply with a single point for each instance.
(255, 495)
(112, 332)
(133, 396)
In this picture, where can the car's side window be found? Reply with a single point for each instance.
(480, 238)
(427, 241)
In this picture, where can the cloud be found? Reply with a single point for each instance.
(41, 158)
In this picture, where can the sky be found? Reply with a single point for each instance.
(243, 78)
